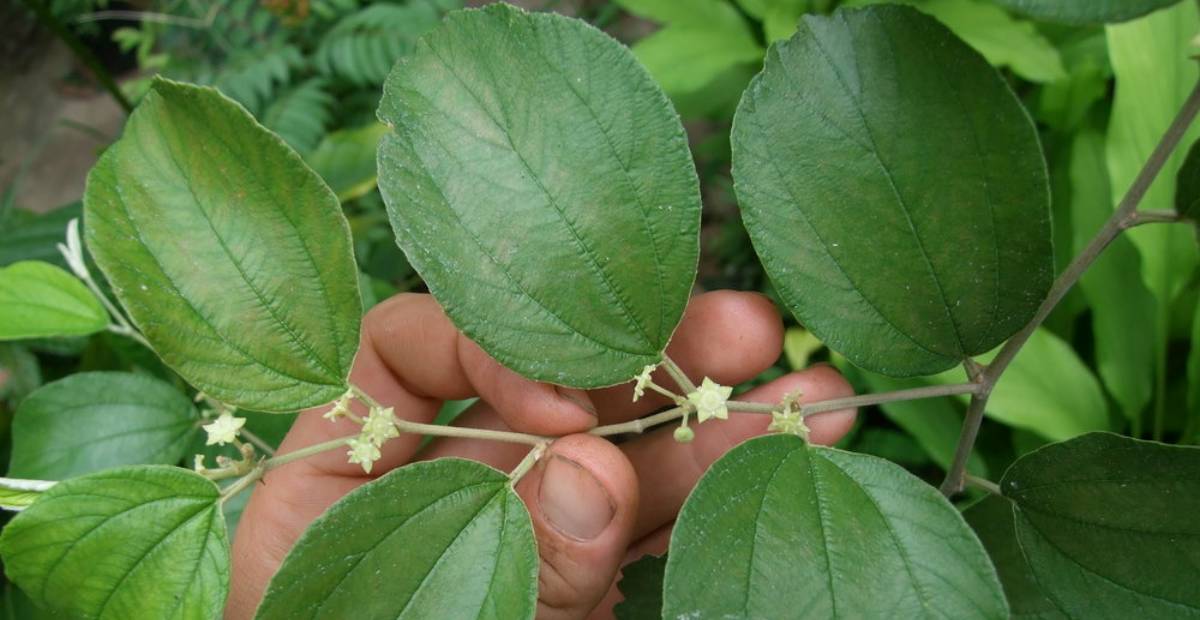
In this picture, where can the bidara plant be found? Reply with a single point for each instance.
(540, 182)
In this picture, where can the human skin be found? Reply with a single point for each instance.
(595, 505)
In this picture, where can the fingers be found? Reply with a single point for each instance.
(667, 470)
(431, 358)
(583, 500)
(728, 336)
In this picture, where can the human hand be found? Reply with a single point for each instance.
(594, 504)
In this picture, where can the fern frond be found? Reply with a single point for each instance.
(253, 79)
(301, 114)
(364, 45)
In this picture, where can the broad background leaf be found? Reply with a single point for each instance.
(525, 140)
(906, 255)
(38, 300)
(850, 535)
(1084, 11)
(1108, 525)
(1113, 285)
(25, 235)
(94, 420)
(1003, 40)
(1154, 75)
(440, 539)
(132, 542)
(346, 160)
(17, 494)
(230, 255)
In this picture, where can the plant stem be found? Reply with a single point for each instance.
(527, 463)
(438, 430)
(932, 391)
(41, 10)
(1153, 216)
(243, 483)
(983, 483)
(307, 451)
(640, 424)
(678, 375)
(1123, 218)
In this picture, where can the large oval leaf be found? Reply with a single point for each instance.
(38, 300)
(95, 420)
(540, 182)
(1108, 525)
(1085, 11)
(228, 252)
(992, 520)
(134, 542)
(440, 539)
(895, 190)
(1187, 185)
(780, 529)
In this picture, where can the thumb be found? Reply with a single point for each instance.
(583, 499)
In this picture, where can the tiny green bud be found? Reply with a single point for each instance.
(684, 434)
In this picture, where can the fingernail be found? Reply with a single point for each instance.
(575, 397)
(573, 501)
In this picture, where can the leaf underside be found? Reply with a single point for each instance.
(1084, 11)
(230, 255)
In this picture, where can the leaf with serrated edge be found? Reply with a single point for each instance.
(132, 542)
(440, 539)
(541, 184)
(781, 529)
(230, 255)
(1108, 525)
(895, 190)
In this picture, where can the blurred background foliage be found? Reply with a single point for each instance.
(1116, 355)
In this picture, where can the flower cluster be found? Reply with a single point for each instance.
(224, 429)
(642, 381)
(379, 427)
(710, 400)
(789, 419)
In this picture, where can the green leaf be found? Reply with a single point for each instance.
(17, 494)
(850, 535)
(1113, 284)
(133, 542)
(1187, 187)
(346, 160)
(1154, 76)
(1084, 11)
(798, 345)
(1108, 525)
(525, 140)
(1003, 40)
(30, 236)
(895, 190)
(20, 373)
(230, 255)
(641, 586)
(95, 420)
(440, 539)
(39, 300)
(992, 520)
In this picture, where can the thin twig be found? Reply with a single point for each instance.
(678, 375)
(983, 483)
(1125, 216)
(258, 442)
(527, 463)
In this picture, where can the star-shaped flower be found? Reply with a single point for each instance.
(340, 408)
(224, 429)
(380, 426)
(639, 388)
(363, 452)
(789, 420)
(709, 400)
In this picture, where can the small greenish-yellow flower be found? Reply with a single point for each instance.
(684, 434)
(380, 426)
(639, 387)
(363, 452)
(788, 420)
(340, 408)
(224, 429)
(710, 400)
